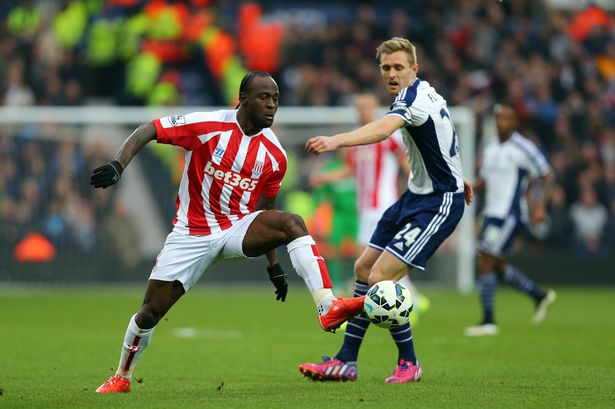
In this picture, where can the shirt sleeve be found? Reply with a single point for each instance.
(187, 130)
(536, 162)
(402, 106)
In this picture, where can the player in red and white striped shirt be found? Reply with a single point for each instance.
(233, 170)
(226, 171)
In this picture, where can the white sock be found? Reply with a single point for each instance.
(406, 282)
(310, 266)
(135, 341)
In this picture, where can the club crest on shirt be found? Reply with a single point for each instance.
(257, 170)
(177, 120)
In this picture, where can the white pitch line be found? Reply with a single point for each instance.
(191, 332)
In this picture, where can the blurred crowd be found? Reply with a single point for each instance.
(556, 65)
(48, 210)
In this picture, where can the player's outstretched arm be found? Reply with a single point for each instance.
(365, 135)
(111, 172)
(135, 142)
(537, 193)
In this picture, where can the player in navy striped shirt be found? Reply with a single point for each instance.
(411, 230)
(510, 164)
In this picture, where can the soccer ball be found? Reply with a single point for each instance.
(388, 304)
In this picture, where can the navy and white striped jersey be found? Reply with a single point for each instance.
(430, 138)
(506, 168)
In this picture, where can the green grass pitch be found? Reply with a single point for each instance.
(235, 347)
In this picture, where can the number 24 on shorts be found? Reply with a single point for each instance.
(408, 233)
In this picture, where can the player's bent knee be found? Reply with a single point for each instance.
(486, 263)
(147, 317)
(361, 270)
(294, 226)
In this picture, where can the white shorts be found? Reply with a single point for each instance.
(185, 258)
(368, 220)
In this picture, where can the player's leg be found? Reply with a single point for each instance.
(495, 239)
(343, 366)
(514, 277)
(159, 298)
(385, 230)
(272, 228)
(425, 222)
(487, 279)
(356, 328)
(180, 264)
(389, 267)
(488, 268)
(414, 227)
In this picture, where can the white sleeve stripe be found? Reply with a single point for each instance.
(534, 155)
(398, 114)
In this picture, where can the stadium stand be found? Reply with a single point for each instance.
(557, 65)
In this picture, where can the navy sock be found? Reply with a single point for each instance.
(520, 281)
(403, 338)
(355, 329)
(487, 283)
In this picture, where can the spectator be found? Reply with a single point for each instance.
(589, 218)
(122, 247)
(559, 237)
(17, 93)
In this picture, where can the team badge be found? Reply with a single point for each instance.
(257, 170)
(177, 120)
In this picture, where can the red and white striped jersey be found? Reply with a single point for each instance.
(225, 171)
(376, 168)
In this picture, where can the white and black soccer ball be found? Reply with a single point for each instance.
(388, 304)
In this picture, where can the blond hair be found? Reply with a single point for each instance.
(397, 44)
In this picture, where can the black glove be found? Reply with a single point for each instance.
(280, 281)
(106, 175)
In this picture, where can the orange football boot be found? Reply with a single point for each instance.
(342, 309)
(115, 384)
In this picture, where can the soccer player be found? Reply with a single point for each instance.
(375, 168)
(225, 209)
(411, 230)
(511, 166)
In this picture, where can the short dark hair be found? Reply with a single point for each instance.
(249, 77)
